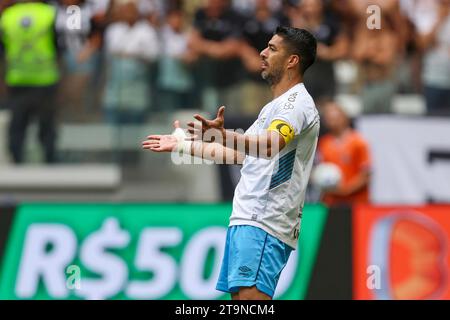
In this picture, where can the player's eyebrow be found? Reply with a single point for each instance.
(272, 46)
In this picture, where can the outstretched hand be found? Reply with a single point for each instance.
(162, 143)
(210, 127)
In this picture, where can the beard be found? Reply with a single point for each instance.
(272, 77)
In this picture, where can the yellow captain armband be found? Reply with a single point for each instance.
(283, 128)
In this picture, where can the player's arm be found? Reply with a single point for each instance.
(216, 152)
(178, 142)
(266, 145)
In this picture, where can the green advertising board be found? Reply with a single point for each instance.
(133, 251)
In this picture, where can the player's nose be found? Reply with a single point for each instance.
(263, 54)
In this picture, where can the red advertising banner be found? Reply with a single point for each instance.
(401, 252)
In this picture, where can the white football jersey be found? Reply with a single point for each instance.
(271, 193)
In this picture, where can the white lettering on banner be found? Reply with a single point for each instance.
(410, 159)
(150, 258)
(194, 261)
(48, 249)
(95, 256)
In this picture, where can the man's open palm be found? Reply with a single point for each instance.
(161, 143)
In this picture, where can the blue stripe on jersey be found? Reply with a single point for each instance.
(282, 178)
(284, 173)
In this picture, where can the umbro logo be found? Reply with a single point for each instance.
(245, 271)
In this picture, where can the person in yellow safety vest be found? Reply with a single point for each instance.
(32, 73)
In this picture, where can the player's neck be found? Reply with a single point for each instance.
(284, 85)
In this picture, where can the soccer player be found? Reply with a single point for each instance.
(277, 153)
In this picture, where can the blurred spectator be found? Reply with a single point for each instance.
(347, 149)
(100, 10)
(152, 10)
(27, 31)
(191, 7)
(151, 7)
(3, 6)
(217, 30)
(175, 82)
(359, 11)
(258, 29)
(247, 7)
(5, 3)
(146, 7)
(243, 6)
(99, 6)
(341, 9)
(290, 8)
(377, 51)
(80, 46)
(131, 44)
(431, 20)
(333, 44)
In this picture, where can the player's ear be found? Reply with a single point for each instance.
(293, 61)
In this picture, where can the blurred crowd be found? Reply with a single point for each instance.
(120, 60)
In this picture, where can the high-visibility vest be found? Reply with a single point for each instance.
(28, 35)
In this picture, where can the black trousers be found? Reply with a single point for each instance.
(28, 104)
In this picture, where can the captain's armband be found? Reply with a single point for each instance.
(284, 129)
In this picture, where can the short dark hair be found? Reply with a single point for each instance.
(301, 43)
